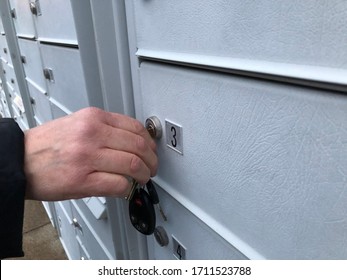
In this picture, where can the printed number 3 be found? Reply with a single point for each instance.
(174, 140)
(174, 136)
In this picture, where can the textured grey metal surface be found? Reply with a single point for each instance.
(305, 33)
(264, 163)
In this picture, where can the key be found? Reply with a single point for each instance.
(155, 198)
(141, 212)
(134, 186)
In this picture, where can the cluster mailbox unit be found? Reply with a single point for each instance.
(251, 100)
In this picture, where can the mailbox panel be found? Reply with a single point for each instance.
(5, 109)
(5, 51)
(66, 229)
(30, 50)
(66, 83)
(11, 78)
(266, 161)
(23, 20)
(89, 238)
(40, 104)
(101, 226)
(189, 237)
(55, 22)
(298, 32)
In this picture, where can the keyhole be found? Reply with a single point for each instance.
(179, 251)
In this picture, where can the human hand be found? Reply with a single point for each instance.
(88, 153)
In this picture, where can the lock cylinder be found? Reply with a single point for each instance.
(154, 128)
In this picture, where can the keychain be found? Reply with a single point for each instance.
(141, 207)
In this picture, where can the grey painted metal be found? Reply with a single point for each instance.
(250, 146)
(49, 207)
(16, 60)
(23, 21)
(101, 227)
(95, 237)
(308, 75)
(5, 90)
(304, 33)
(197, 240)
(113, 56)
(98, 48)
(50, 26)
(33, 65)
(270, 40)
(40, 104)
(255, 169)
(66, 230)
(82, 14)
(2, 31)
(57, 111)
(5, 52)
(67, 85)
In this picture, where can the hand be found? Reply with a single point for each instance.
(88, 153)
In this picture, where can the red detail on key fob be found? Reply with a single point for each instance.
(141, 212)
(138, 202)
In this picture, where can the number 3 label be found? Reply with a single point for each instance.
(174, 136)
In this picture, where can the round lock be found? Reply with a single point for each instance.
(154, 127)
(161, 236)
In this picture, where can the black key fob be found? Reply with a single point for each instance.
(152, 192)
(141, 211)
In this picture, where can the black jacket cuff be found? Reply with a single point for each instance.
(12, 188)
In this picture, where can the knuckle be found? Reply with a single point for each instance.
(77, 152)
(123, 186)
(89, 117)
(91, 112)
(141, 144)
(135, 164)
(138, 127)
(87, 124)
(86, 129)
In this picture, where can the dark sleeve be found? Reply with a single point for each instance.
(12, 188)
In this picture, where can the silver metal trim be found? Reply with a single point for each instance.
(308, 75)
